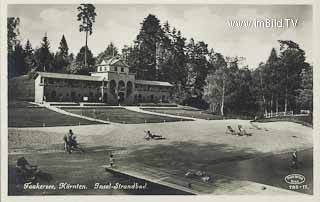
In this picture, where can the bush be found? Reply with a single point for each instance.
(196, 102)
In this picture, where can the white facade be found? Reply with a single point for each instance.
(112, 83)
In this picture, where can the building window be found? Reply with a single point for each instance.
(139, 98)
(50, 81)
(115, 68)
(122, 69)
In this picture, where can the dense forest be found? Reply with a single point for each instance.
(200, 76)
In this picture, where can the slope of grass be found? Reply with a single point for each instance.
(304, 120)
(23, 114)
(120, 115)
(188, 113)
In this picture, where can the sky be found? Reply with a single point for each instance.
(120, 24)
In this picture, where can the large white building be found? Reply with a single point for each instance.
(112, 83)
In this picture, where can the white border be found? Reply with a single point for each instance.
(227, 198)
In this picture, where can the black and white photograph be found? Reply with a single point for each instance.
(158, 99)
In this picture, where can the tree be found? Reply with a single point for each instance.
(110, 51)
(216, 80)
(305, 93)
(17, 64)
(80, 59)
(63, 48)
(43, 56)
(12, 42)
(260, 77)
(61, 58)
(13, 32)
(147, 42)
(273, 78)
(29, 57)
(197, 65)
(292, 59)
(87, 16)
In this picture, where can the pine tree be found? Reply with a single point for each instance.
(29, 57)
(197, 65)
(63, 48)
(305, 93)
(12, 34)
(292, 60)
(61, 58)
(17, 63)
(43, 56)
(274, 76)
(80, 69)
(108, 53)
(87, 16)
(148, 39)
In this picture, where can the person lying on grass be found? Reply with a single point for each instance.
(242, 131)
(149, 136)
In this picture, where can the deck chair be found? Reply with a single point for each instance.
(242, 131)
(230, 131)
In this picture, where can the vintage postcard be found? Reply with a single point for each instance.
(137, 98)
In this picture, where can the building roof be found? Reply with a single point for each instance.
(113, 61)
(153, 83)
(96, 78)
(69, 76)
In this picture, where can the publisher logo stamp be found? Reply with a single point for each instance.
(296, 181)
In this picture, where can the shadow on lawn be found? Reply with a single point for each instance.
(223, 160)
(83, 168)
(175, 158)
(190, 155)
(16, 181)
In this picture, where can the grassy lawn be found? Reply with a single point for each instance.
(120, 115)
(23, 114)
(77, 168)
(188, 113)
(304, 120)
(199, 145)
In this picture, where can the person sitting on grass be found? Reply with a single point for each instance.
(26, 170)
(294, 159)
(72, 143)
(149, 136)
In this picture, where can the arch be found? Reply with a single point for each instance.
(113, 86)
(121, 85)
(129, 88)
